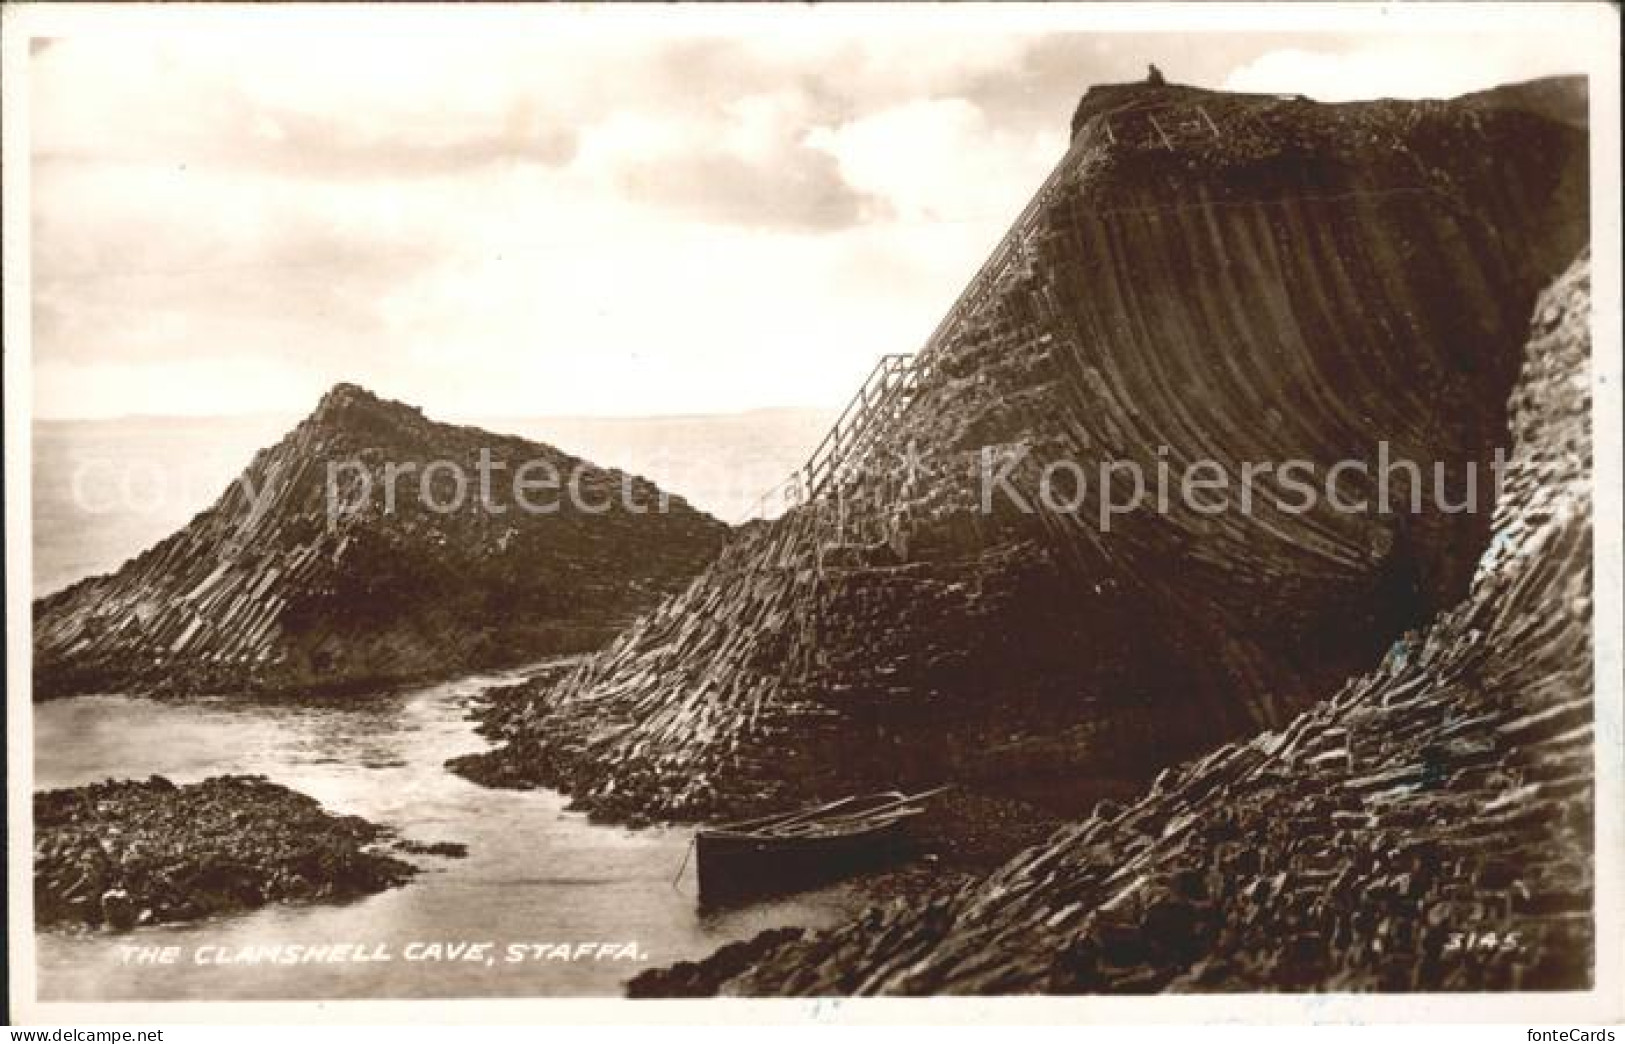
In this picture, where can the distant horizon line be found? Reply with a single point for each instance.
(457, 418)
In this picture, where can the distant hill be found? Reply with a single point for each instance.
(269, 590)
(105, 489)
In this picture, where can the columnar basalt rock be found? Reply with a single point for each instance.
(1234, 279)
(332, 563)
(133, 852)
(1427, 827)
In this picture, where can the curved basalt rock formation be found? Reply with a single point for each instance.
(119, 854)
(1429, 827)
(1207, 281)
(310, 574)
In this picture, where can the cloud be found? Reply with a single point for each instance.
(803, 190)
(212, 386)
(318, 146)
(95, 102)
(1415, 66)
(561, 219)
(142, 263)
(744, 163)
(939, 159)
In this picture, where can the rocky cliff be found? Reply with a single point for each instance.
(1428, 827)
(332, 563)
(1206, 281)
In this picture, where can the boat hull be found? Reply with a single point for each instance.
(734, 867)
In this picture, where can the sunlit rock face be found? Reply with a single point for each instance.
(1210, 281)
(332, 563)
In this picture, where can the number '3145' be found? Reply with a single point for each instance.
(1482, 942)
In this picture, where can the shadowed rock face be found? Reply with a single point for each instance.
(269, 590)
(1429, 827)
(1207, 277)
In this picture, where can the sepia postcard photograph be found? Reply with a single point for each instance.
(515, 510)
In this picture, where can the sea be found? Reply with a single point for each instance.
(545, 904)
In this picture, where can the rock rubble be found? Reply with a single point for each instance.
(134, 852)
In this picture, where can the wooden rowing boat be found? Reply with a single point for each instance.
(800, 849)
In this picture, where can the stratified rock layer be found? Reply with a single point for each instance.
(1207, 281)
(118, 854)
(309, 573)
(1429, 827)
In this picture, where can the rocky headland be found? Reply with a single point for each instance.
(1275, 747)
(333, 564)
(1205, 278)
(133, 852)
(1427, 827)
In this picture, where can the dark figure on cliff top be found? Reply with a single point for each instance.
(1153, 75)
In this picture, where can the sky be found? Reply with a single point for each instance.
(543, 218)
